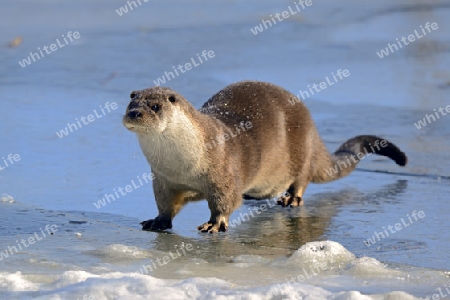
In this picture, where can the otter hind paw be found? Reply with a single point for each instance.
(213, 228)
(288, 200)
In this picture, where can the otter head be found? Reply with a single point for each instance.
(151, 110)
(167, 130)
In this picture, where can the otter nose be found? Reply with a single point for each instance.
(134, 114)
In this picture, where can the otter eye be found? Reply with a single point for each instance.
(172, 99)
(155, 107)
(132, 95)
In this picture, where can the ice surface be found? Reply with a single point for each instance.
(313, 252)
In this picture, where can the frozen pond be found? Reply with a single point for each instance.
(344, 243)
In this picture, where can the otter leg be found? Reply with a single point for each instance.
(221, 208)
(217, 223)
(292, 197)
(169, 203)
(168, 207)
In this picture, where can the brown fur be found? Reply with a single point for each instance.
(281, 150)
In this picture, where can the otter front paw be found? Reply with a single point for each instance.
(287, 200)
(213, 228)
(147, 225)
(156, 224)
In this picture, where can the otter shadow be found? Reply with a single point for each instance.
(278, 231)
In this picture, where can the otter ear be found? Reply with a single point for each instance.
(133, 94)
(172, 98)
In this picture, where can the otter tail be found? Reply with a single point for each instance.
(344, 160)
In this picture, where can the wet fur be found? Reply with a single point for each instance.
(281, 152)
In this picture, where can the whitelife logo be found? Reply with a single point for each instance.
(280, 17)
(398, 226)
(124, 9)
(411, 38)
(108, 198)
(187, 66)
(361, 155)
(430, 118)
(106, 108)
(342, 74)
(50, 229)
(48, 50)
(12, 158)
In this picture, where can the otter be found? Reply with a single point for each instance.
(251, 140)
